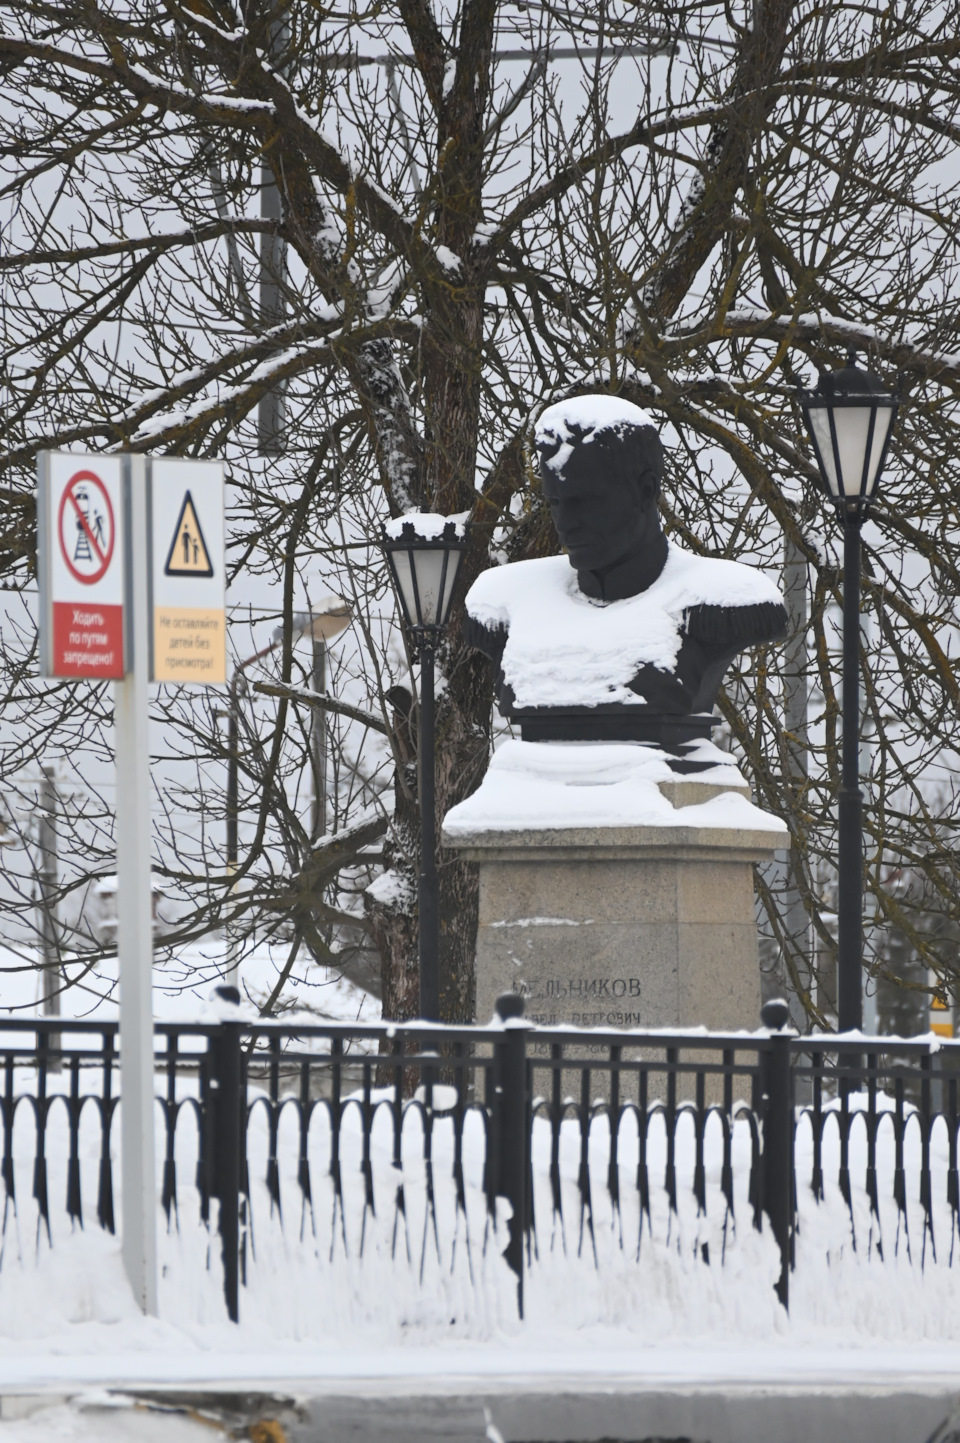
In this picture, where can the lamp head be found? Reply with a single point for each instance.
(326, 619)
(424, 552)
(850, 418)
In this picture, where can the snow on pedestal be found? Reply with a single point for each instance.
(613, 892)
(537, 786)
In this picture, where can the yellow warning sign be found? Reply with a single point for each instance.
(942, 1029)
(188, 555)
(189, 645)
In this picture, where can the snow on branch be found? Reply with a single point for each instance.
(263, 379)
(763, 324)
(343, 846)
(323, 702)
(399, 447)
(448, 259)
(235, 105)
(272, 342)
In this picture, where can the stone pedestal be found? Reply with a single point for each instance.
(620, 927)
(617, 925)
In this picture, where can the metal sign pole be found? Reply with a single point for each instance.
(135, 919)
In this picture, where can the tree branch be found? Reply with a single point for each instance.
(323, 702)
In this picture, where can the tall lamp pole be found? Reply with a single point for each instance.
(850, 418)
(327, 618)
(424, 553)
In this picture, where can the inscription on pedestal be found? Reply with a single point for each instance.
(584, 1001)
(594, 971)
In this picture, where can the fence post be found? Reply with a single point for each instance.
(778, 1138)
(225, 1145)
(514, 1139)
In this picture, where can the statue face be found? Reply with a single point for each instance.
(600, 514)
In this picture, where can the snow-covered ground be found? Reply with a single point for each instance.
(341, 1277)
(184, 982)
(341, 1296)
(411, 1285)
(95, 1416)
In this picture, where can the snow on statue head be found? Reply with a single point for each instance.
(632, 644)
(601, 466)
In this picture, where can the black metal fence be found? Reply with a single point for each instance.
(870, 1106)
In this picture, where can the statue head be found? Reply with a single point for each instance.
(601, 466)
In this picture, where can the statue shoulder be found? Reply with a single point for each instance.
(737, 626)
(715, 581)
(498, 593)
(503, 595)
(726, 603)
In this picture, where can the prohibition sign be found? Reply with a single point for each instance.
(80, 527)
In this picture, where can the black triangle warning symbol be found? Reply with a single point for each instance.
(188, 555)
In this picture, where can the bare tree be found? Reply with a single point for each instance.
(691, 205)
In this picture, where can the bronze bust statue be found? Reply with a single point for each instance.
(633, 642)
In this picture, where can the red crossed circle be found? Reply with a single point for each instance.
(101, 555)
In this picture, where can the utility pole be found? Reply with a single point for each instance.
(47, 847)
(273, 264)
(401, 119)
(233, 762)
(273, 276)
(318, 743)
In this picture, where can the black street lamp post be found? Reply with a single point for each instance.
(424, 552)
(850, 417)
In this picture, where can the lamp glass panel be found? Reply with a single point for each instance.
(852, 424)
(408, 599)
(881, 431)
(453, 566)
(429, 564)
(820, 426)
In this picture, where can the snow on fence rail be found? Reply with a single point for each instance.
(404, 1141)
